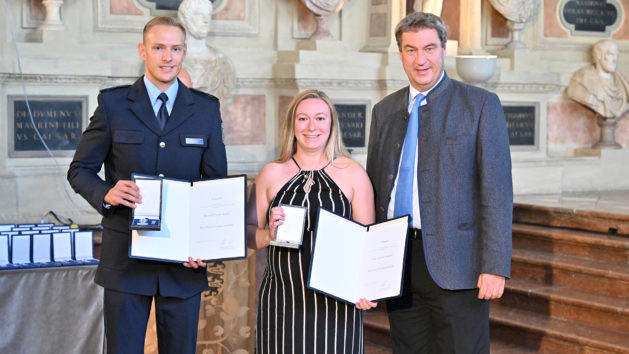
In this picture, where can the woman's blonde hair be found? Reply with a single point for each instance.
(288, 142)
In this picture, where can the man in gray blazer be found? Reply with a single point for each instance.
(439, 151)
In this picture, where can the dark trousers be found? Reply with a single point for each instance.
(126, 317)
(428, 319)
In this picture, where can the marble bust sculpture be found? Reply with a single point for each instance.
(603, 90)
(598, 86)
(210, 70)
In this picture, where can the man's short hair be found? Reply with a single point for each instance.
(163, 21)
(418, 20)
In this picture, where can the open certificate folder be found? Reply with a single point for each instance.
(351, 261)
(204, 220)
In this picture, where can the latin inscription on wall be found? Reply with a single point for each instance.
(59, 121)
(352, 118)
(590, 17)
(521, 120)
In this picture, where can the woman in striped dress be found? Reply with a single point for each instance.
(313, 170)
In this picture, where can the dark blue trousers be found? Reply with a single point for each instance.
(126, 317)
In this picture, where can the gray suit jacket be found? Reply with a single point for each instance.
(465, 188)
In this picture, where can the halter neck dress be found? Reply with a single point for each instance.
(292, 318)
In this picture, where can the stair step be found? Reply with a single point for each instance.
(548, 335)
(554, 269)
(561, 302)
(376, 326)
(571, 243)
(502, 347)
(371, 348)
(582, 219)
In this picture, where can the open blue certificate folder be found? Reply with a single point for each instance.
(351, 261)
(203, 219)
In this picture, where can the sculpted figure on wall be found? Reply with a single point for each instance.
(211, 70)
(323, 9)
(518, 13)
(603, 90)
(598, 86)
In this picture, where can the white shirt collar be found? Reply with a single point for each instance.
(153, 92)
(413, 92)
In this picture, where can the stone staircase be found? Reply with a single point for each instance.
(569, 291)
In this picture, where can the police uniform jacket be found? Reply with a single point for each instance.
(125, 136)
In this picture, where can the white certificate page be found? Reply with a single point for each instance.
(217, 225)
(351, 261)
(336, 257)
(383, 259)
(205, 220)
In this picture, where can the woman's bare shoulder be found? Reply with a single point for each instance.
(273, 173)
(347, 165)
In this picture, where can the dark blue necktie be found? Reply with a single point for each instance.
(162, 114)
(404, 191)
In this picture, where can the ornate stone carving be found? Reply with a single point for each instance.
(211, 70)
(323, 9)
(53, 15)
(600, 88)
(518, 13)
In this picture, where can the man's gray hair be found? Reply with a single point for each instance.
(418, 20)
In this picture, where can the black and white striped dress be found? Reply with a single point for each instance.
(292, 318)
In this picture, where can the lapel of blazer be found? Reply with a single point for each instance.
(182, 110)
(141, 107)
(396, 121)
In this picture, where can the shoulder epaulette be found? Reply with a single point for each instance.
(114, 88)
(204, 93)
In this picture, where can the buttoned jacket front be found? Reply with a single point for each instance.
(125, 136)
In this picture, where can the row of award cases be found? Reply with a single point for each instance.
(44, 245)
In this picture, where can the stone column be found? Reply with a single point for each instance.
(471, 24)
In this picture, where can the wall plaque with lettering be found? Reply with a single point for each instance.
(521, 123)
(352, 118)
(591, 17)
(59, 120)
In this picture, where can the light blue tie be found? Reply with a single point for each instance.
(404, 191)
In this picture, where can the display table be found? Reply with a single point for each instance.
(51, 310)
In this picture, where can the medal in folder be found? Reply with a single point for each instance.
(203, 220)
(148, 214)
(351, 261)
(290, 233)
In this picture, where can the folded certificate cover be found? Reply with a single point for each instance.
(203, 220)
(4, 250)
(351, 261)
(20, 249)
(62, 246)
(6, 227)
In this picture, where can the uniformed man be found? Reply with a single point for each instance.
(157, 126)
